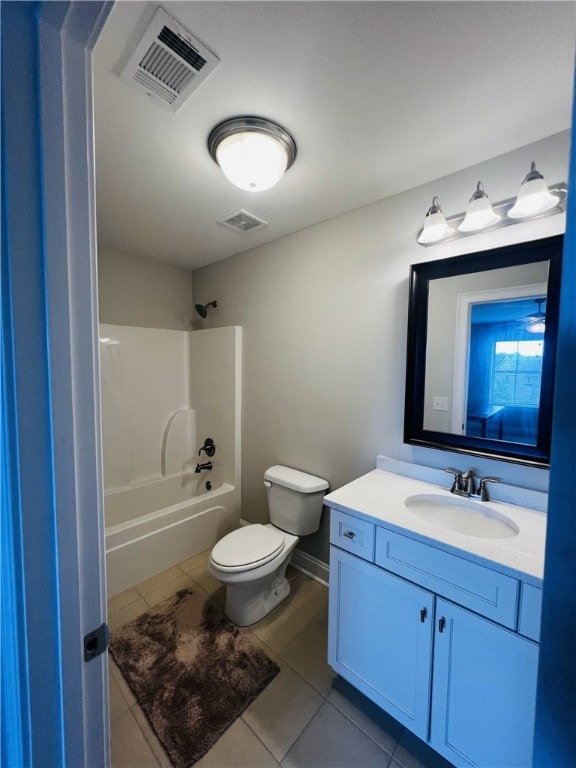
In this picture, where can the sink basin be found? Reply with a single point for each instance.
(473, 518)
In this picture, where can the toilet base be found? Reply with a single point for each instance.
(248, 603)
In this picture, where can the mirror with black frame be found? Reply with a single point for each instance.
(481, 352)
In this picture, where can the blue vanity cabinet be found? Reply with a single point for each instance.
(380, 637)
(484, 692)
(440, 642)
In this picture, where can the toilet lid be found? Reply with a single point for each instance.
(248, 547)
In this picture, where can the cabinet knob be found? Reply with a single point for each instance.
(349, 534)
(441, 624)
(423, 614)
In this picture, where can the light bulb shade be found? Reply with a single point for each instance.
(536, 323)
(533, 197)
(435, 227)
(479, 213)
(538, 326)
(252, 152)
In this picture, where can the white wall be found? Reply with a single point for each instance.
(324, 315)
(143, 292)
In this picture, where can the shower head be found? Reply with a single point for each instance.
(202, 309)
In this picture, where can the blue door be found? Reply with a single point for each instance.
(380, 637)
(484, 692)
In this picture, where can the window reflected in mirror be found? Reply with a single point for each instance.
(506, 354)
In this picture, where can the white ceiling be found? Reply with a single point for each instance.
(380, 97)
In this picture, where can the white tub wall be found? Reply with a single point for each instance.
(147, 375)
(145, 379)
(205, 520)
(215, 387)
(129, 503)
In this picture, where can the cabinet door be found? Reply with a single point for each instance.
(484, 691)
(380, 637)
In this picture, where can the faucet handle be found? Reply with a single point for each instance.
(209, 447)
(457, 477)
(482, 491)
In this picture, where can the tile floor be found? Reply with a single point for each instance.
(307, 717)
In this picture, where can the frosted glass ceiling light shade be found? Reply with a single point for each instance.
(435, 227)
(252, 152)
(479, 213)
(533, 197)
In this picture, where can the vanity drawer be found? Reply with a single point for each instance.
(530, 612)
(352, 534)
(484, 591)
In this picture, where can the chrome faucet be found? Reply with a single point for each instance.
(463, 484)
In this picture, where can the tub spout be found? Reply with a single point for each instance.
(200, 467)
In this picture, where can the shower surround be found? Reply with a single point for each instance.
(163, 393)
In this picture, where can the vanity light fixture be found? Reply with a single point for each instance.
(252, 152)
(535, 200)
(533, 196)
(479, 213)
(435, 227)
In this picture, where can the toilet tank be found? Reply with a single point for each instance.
(294, 499)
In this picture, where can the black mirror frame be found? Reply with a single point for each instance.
(547, 249)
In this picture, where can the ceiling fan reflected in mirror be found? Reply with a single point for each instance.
(536, 323)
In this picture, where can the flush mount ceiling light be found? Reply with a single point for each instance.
(535, 200)
(479, 213)
(435, 227)
(252, 152)
(533, 196)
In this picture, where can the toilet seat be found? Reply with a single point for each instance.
(247, 548)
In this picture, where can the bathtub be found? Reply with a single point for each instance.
(156, 525)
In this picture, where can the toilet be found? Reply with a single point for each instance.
(252, 560)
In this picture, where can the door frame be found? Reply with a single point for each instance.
(51, 405)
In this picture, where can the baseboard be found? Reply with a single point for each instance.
(311, 566)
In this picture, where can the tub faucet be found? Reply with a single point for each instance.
(200, 467)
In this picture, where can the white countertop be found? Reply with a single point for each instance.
(379, 496)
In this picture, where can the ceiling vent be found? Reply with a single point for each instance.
(169, 63)
(242, 221)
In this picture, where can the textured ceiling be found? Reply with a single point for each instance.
(380, 97)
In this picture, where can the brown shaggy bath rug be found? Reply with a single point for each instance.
(192, 671)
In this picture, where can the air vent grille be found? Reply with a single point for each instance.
(181, 47)
(160, 64)
(242, 221)
(169, 63)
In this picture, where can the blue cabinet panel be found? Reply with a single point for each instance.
(484, 693)
(352, 534)
(530, 611)
(380, 637)
(485, 591)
